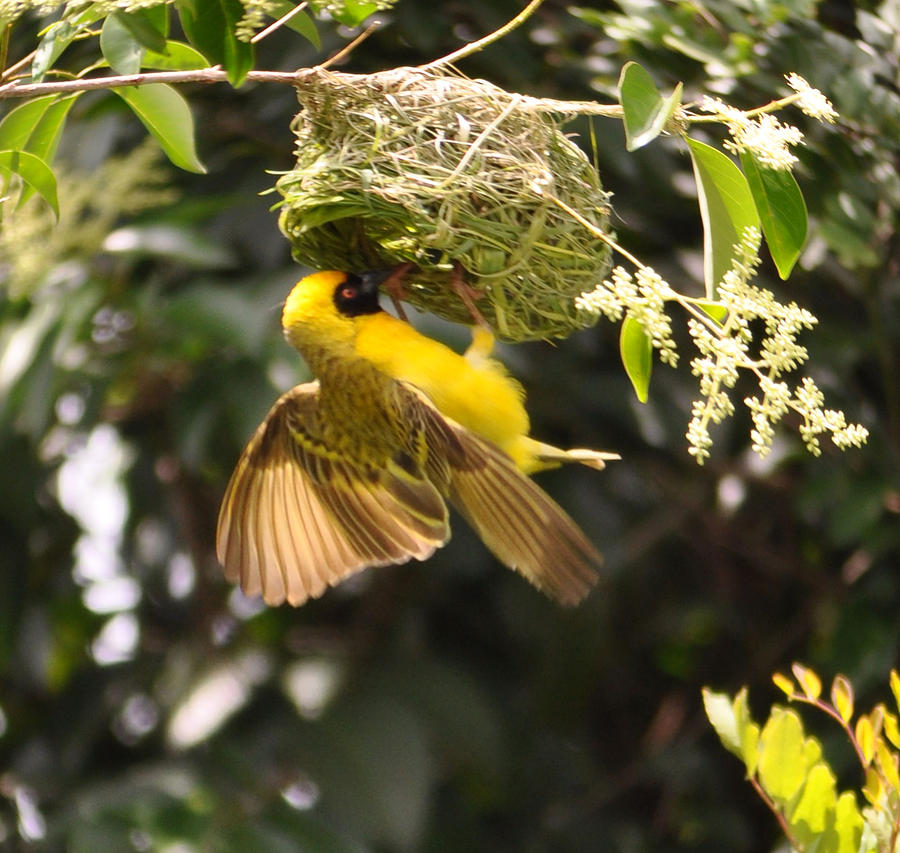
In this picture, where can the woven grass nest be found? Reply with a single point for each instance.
(428, 167)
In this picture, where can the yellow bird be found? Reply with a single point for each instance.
(355, 469)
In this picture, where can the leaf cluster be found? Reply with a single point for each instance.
(794, 778)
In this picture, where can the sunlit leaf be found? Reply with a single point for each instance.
(748, 731)
(810, 683)
(848, 824)
(34, 172)
(166, 115)
(782, 767)
(842, 697)
(873, 790)
(720, 712)
(895, 687)
(812, 752)
(645, 111)
(887, 763)
(726, 208)
(636, 350)
(783, 683)
(716, 310)
(781, 209)
(891, 729)
(813, 809)
(865, 739)
(876, 718)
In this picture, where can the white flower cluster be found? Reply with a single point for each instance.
(763, 136)
(811, 101)
(818, 420)
(643, 297)
(256, 13)
(10, 10)
(725, 350)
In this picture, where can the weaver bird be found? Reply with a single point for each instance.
(355, 469)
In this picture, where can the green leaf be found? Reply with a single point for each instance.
(147, 26)
(782, 765)
(178, 56)
(37, 125)
(54, 42)
(34, 172)
(167, 116)
(716, 310)
(646, 112)
(781, 209)
(726, 208)
(120, 48)
(354, 12)
(209, 26)
(57, 38)
(299, 22)
(636, 349)
(811, 814)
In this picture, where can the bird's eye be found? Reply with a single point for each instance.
(348, 292)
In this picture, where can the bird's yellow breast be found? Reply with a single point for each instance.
(480, 395)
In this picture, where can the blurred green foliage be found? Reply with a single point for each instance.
(444, 706)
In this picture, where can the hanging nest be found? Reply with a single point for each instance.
(428, 167)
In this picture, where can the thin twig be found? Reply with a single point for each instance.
(4, 45)
(475, 46)
(778, 815)
(351, 45)
(279, 23)
(6, 73)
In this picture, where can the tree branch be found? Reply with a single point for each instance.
(90, 84)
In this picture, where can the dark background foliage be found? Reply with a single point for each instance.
(444, 706)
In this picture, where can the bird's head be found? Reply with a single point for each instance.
(322, 308)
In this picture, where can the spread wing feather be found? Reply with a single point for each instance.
(519, 522)
(297, 518)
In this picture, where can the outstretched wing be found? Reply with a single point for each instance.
(298, 517)
(519, 522)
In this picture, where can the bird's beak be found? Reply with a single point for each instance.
(391, 276)
(373, 279)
